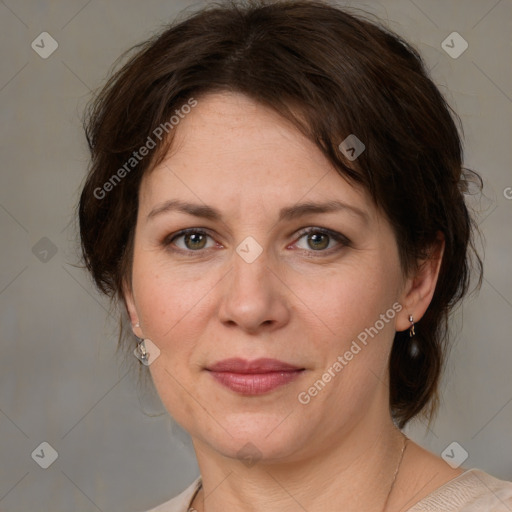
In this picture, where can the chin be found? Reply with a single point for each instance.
(256, 437)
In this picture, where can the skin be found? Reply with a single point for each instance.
(301, 301)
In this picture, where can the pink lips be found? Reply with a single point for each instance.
(253, 377)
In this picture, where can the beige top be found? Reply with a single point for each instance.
(471, 491)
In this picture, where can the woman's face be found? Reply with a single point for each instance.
(263, 277)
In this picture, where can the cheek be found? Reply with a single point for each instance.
(349, 299)
(169, 300)
(172, 308)
(357, 322)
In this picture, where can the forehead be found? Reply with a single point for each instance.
(235, 151)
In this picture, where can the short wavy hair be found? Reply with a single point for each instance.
(332, 72)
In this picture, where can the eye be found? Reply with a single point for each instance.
(194, 240)
(190, 240)
(322, 240)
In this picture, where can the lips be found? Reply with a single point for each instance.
(237, 365)
(253, 377)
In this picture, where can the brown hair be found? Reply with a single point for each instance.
(332, 73)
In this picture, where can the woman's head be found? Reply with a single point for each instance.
(252, 111)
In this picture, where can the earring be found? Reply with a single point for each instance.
(141, 353)
(146, 351)
(414, 346)
(411, 329)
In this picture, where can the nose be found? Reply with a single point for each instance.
(254, 298)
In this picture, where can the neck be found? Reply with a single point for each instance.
(352, 474)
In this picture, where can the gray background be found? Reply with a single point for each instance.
(61, 382)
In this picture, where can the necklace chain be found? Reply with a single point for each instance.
(192, 509)
(396, 472)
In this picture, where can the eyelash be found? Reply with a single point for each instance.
(338, 237)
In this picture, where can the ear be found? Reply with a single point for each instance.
(131, 308)
(420, 286)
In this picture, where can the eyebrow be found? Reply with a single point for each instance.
(287, 213)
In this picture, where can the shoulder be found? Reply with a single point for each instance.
(471, 491)
(180, 503)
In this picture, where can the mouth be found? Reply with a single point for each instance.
(253, 377)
